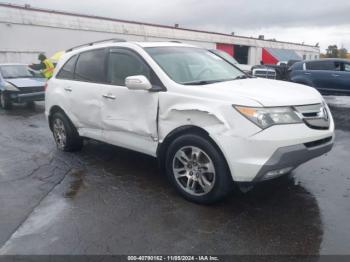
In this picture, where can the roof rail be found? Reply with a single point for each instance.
(113, 40)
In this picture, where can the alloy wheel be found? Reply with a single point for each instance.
(59, 133)
(194, 170)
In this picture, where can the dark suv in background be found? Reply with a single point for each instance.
(329, 76)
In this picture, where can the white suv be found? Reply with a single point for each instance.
(207, 122)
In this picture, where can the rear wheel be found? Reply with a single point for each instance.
(198, 170)
(65, 134)
(5, 101)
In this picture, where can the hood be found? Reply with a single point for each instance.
(27, 82)
(267, 92)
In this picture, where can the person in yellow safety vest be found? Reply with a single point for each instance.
(46, 66)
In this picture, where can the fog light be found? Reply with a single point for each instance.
(278, 172)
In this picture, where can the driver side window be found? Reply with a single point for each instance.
(124, 64)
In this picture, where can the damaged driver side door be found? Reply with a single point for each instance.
(129, 117)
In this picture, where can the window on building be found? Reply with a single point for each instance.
(91, 66)
(67, 71)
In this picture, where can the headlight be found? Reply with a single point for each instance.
(265, 117)
(10, 87)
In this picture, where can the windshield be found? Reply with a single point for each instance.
(225, 56)
(15, 71)
(190, 65)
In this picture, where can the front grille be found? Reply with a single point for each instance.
(264, 74)
(314, 116)
(25, 90)
(318, 142)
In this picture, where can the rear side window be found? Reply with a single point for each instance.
(297, 66)
(123, 64)
(91, 66)
(67, 71)
(324, 65)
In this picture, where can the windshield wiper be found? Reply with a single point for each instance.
(207, 82)
(202, 82)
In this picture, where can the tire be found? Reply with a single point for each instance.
(65, 134)
(5, 101)
(209, 168)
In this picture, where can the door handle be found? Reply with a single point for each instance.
(335, 75)
(307, 73)
(68, 89)
(109, 96)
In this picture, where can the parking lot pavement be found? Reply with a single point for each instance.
(107, 200)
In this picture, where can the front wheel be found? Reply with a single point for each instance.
(65, 134)
(198, 169)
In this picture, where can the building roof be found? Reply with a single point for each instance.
(27, 7)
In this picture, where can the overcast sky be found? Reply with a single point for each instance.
(308, 21)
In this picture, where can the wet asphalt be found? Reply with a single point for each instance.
(108, 200)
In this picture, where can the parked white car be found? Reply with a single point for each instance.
(207, 123)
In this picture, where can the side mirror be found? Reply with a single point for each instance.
(139, 82)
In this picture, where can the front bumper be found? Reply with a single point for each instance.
(251, 157)
(285, 159)
(19, 97)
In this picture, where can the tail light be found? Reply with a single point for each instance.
(46, 86)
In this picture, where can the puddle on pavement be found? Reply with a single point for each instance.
(77, 181)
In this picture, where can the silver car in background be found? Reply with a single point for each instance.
(20, 84)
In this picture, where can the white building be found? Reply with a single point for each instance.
(25, 32)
